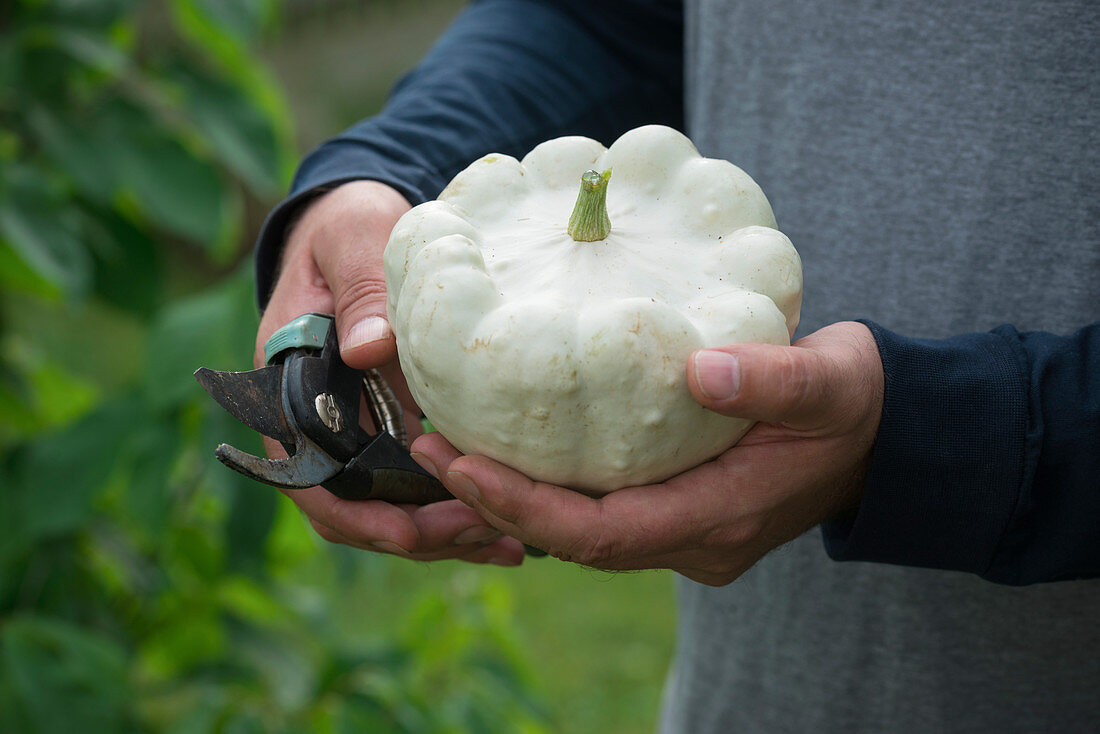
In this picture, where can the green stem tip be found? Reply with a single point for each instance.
(589, 222)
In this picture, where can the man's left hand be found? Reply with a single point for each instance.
(817, 404)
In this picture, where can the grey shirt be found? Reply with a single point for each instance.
(936, 165)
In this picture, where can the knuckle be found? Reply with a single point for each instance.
(338, 518)
(326, 533)
(716, 579)
(797, 379)
(507, 507)
(793, 374)
(362, 287)
(726, 540)
(719, 569)
(601, 550)
(726, 571)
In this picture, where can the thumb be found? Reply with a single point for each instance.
(359, 293)
(794, 386)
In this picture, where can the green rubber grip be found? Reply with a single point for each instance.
(307, 331)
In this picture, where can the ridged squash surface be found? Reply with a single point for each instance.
(564, 359)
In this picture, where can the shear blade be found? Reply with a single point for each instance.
(251, 397)
(307, 468)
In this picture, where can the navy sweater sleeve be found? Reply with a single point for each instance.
(507, 75)
(987, 458)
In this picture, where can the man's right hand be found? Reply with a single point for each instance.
(332, 263)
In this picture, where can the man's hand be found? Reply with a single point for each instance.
(818, 405)
(332, 263)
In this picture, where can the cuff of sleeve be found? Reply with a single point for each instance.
(947, 467)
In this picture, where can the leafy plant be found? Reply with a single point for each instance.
(142, 586)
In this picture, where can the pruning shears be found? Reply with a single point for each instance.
(308, 400)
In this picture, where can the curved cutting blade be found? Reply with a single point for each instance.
(253, 398)
(306, 468)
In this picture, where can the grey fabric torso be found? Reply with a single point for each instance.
(936, 165)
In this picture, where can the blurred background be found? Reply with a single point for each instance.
(143, 587)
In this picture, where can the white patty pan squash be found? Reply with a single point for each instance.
(560, 348)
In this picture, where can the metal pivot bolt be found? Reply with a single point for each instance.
(329, 413)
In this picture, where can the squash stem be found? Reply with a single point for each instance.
(589, 222)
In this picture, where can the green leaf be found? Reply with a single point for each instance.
(92, 50)
(66, 679)
(198, 558)
(148, 497)
(92, 342)
(41, 72)
(57, 477)
(219, 20)
(98, 13)
(251, 517)
(81, 148)
(57, 396)
(240, 133)
(187, 639)
(244, 723)
(288, 676)
(201, 718)
(17, 276)
(248, 600)
(13, 716)
(215, 329)
(291, 540)
(174, 186)
(358, 713)
(128, 263)
(225, 50)
(181, 193)
(35, 224)
(10, 62)
(17, 418)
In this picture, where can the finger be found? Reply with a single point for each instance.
(498, 551)
(443, 525)
(447, 530)
(631, 528)
(677, 524)
(794, 386)
(675, 538)
(441, 530)
(434, 453)
(347, 248)
(504, 552)
(362, 522)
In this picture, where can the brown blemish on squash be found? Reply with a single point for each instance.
(478, 343)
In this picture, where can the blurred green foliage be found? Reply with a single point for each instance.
(142, 586)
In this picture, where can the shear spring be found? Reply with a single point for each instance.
(385, 410)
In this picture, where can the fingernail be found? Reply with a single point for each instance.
(477, 534)
(464, 484)
(389, 547)
(370, 329)
(718, 374)
(425, 463)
